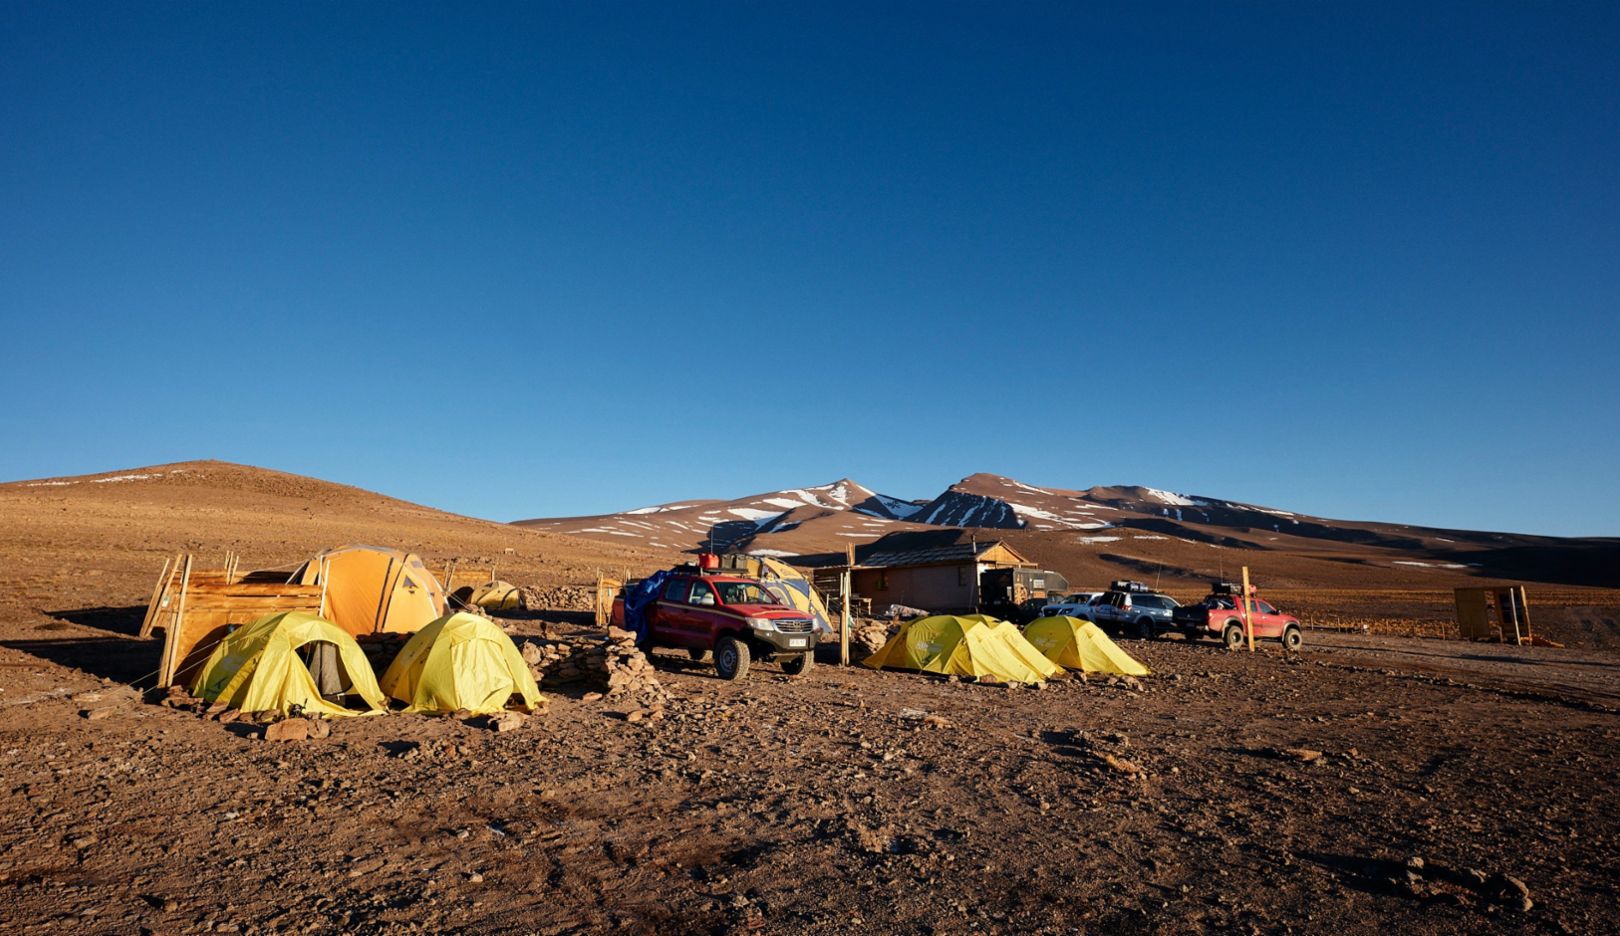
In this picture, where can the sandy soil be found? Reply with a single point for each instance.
(843, 801)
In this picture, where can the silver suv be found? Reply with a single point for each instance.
(1142, 615)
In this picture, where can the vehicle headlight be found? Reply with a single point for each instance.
(763, 624)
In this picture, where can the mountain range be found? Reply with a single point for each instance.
(1102, 531)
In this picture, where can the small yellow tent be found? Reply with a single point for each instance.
(371, 590)
(495, 596)
(265, 666)
(460, 661)
(1080, 645)
(968, 645)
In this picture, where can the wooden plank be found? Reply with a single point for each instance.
(158, 591)
(252, 588)
(260, 606)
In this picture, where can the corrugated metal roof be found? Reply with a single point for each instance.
(957, 552)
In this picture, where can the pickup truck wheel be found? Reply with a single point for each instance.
(731, 658)
(1292, 638)
(1232, 637)
(696, 655)
(799, 664)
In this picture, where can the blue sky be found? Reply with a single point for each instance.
(1355, 260)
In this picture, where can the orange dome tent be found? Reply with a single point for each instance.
(370, 590)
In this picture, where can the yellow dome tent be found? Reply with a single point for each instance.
(266, 666)
(460, 661)
(967, 645)
(1080, 645)
(495, 596)
(370, 590)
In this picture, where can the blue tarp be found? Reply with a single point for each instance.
(635, 605)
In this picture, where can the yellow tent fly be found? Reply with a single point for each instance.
(460, 661)
(790, 584)
(1080, 645)
(266, 666)
(495, 596)
(973, 645)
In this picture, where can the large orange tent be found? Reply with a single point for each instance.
(372, 590)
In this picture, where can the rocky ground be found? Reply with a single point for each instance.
(1342, 789)
(1368, 785)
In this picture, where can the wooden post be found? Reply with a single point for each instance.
(171, 636)
(844, 625)
(1248, 610)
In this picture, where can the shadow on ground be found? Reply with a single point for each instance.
(121, 659)
(125, 620)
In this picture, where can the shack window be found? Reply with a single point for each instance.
(962, 576)
(883, 580)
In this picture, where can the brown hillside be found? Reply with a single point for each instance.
(100, 539)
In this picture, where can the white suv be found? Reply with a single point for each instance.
(1077, 605)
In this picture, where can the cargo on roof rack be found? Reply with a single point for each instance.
(1126, 585)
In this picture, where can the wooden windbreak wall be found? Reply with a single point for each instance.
(197, 607)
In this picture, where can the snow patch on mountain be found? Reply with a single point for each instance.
(901, 510)
(760, 517)
(660, 509)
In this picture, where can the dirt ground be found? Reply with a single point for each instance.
(1370, 784)
(845, 800)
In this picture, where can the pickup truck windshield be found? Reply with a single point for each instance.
(744, 593)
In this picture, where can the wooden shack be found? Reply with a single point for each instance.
(941, 579)
(1497, 612)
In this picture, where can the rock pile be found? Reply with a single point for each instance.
(557, 598)
(868, 636)
(614, 666)
(380, 649)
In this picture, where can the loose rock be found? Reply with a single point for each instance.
(289, 729)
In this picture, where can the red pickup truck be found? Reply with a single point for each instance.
(1219, 615)
(736, 618)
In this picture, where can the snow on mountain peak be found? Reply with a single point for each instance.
(1169, 497)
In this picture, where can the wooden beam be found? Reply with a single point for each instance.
(1248, 610)
(158, 591)
(844, 625)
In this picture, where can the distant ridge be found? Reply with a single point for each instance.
(1122, 529)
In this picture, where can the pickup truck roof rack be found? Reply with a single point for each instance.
(1231, 588)
(1126, 585)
